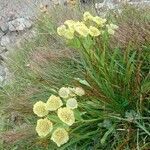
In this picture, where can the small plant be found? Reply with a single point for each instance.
(108, 58)
(58, 119)
(112, 74)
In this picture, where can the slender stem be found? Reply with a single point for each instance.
(143, 128)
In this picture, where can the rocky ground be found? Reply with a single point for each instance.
(16, 24)
(16, 21)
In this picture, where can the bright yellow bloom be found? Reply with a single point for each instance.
(99, 21)
(68, 34)
(60, 136)
(93, 31)
(111, 28)
(81, 28)
(64, 92)
(87, 16)
(72, 103)
(61, 29)
(79, 91)
(39, 109)
(66, 115)
(70, 24)
(44, 127)
(53, 103)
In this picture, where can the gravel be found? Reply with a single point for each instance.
(11, 9)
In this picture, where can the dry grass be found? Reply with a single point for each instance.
(134, 26)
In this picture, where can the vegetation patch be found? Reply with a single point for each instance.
(82, 83)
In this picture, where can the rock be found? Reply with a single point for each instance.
(11, 16)
(5, 41)
(4, 27)
(2, 71)
(2, 49)
(2, 75)
(1, 33)
(1, 80)
(4, 56)
(8, 77)
(5, 76)
(19, 24)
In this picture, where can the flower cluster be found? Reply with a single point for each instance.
(67, 97)
(90, 25)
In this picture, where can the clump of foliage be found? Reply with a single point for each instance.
(119, 105)
(110, 62)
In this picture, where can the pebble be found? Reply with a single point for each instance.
(2, 49)
(1, 33)
(2, 75)
(5, 41)
(4, 27)
(19, 24)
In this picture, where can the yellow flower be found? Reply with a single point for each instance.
(53, 103)
(71, 92)
(72, 103)
(87, 16)
(60, 136)
(66, 115)
(81, 28)
(44, 127)
(61, 29)
(64, 92)
(39, 109)
(70, 24)
(99, 21)
(93, 31)
(68, 34)
(111, 28)
(79, 91)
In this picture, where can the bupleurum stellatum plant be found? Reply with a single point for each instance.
(114, 113)
(113, 69)
(115, 109)
(59, 114)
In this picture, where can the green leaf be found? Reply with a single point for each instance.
(75, 43)
(88, 42)
(77, 115)
(54, 118)
(104, 138)
(84, 82)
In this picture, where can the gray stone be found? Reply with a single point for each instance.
(1, 80)
(8, 77)
(2, 71)
(5, 76)
(11, 16)
(4, 27)
(1, 33)
(2, 49)
(19, 24)
(5, 41)
(4, 56)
